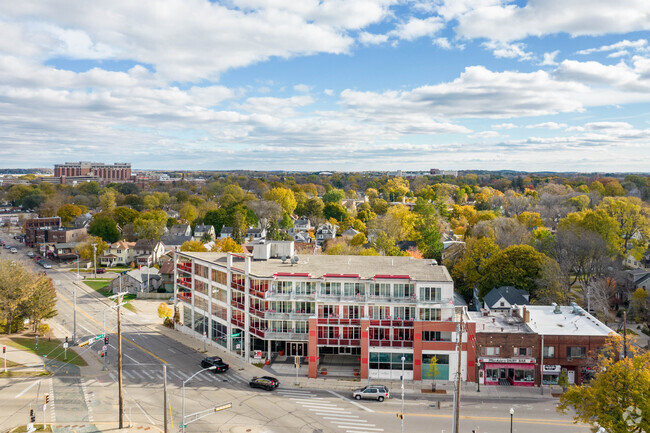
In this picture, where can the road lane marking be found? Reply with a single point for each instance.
(339, 420)
(27, 389)
(360, 427)
(311, 400)
(331, 412)
(123, 338)
(351, 401)
(487, 418)
(323, 407)
(338, 416)
(290, 391)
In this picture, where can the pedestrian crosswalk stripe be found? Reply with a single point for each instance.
(128, 374)
(297, 393)
(338, 416)
(329, 411)
(147, 374)
(361, 427)
(328, 407)
(339, 419)
(177, 375)
(318, 399)
(316, 403)
(137, 374)
(361, 422)
(356, 431)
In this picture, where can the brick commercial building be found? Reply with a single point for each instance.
(371, 311)
(102, 173)
(34, 229)
(509, 344)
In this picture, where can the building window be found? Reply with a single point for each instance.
(549, 351)
(430, 293)
(380, 290)
(353, 289)
(430, 335)
(404, 313)
(523, 351)
(429, 313)
(378, 312)
(491, 351)
(576, 352)
(391, 361)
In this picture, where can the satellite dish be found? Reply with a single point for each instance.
(294, 260)
(284, 258)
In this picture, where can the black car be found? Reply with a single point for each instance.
(215, 361)
(261, 382)
(273, 380)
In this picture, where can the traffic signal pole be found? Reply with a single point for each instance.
(119, 364)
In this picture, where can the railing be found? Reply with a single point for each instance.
(239, 305)
(184, 282)
(337, 321)
(237, 322)
(185, 297)
(448, 301)
(256, 313)
(339, 342)
(286, 296)
(287, 316)
(362, 298)
(258, 332)
(391, 343)
(392, 322)
(185, 267)
(288, 335)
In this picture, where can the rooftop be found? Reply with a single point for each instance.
(570, 321)
(499, 322)
(366, 267)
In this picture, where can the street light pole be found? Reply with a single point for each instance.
(403, 358)
(512, 413)
(368, 331)
(478, 379)
(95, 260)
(214, 367)
(74, 314)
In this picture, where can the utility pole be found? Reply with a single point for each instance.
(541, 368)
(624, 334)
(95, 261)
(74, 314)
(165, 398)
(119, 362)
(456, 419)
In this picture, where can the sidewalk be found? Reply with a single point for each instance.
(28, 361)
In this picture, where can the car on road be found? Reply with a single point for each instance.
(216, 362)
(46, 265)
(101, 270)
(7, 246)
(30, 254)
(272, 379)
(372, 392)
(260, 382)
(37, 258)
(14, 250)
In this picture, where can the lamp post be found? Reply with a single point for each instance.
(512, 413)
(214, 367)
(368, 331)
(478, 379)
(402, 417)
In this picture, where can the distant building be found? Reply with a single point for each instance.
(84, 171)
(504, 298)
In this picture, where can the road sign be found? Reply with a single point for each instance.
(238, 346)
(235, 335)
(104, 348)
(204, 334)
(182, 426)
(99, 337)
(65, 345)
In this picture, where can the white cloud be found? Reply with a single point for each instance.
(504, 126)
(505, 21)
(508, 51)
(485, 134)
(416, 28)
(640, 44)
(548, 125)
(372, 39)
(442, 43)
(302, 88)
(592, 126)
(328, 92)
(549, 58)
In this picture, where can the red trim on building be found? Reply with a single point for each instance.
(392, 277)
(292, 274)
(342, 276)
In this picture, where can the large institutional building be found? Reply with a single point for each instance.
(83, 171)
(376, 310)
(372, 311)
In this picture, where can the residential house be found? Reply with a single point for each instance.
(302, 237)
(120, 253)
(202, 230)
(148, 251)
(324, 232)
(166, 273)
(300, 225)
(65, 251)
(83, 221)
(180, 230)
(504, 298)
(256, 234)
(175, 241)
(34, 227)
(350, 233)
(226, 232)
(144, 279)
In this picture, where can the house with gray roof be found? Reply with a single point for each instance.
(505, 297)
(180, 230)
(143, 279)
(201, 230)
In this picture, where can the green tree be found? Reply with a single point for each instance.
(188, 212)
(358, 240)
(14, 279)
(107, 200)
(380, 206)
(595, 221)
(284, 197)
(150, 225)
(89, 188)
(105, 227)
(517, 265)
(41, 303)
(470, 268)
(286, 222)
(215, 218)
(85, 249)
(633, 218)
(124, 215)
(333, 196)
(314, 207)
(336, 211)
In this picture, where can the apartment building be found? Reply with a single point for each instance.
(84, 171)
(372, 310)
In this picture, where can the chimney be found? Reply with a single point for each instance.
(526, 315)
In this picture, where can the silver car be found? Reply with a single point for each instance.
(372, 392)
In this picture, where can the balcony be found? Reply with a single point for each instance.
(185, 267)
(338, 321)
(185, 297)
(355, 342)
(289, 296)
(286, 335)
(236, 304)
(237, 322)
(444, 302)
(391, 343)
(184, 282)
(392, 323)
(287, 316)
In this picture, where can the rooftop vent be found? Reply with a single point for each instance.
(556, 308)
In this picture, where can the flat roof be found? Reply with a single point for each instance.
(498, 321)
(366, 267)
(544, 321)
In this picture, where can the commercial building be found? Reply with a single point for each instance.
(34, 228)
(84, 171)
(371, 310)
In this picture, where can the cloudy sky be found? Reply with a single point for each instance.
(560, 85)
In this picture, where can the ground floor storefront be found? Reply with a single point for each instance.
(507, 371)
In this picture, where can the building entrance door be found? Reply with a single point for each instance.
(296, 349)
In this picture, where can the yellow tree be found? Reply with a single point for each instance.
(284, 197)
(68, 212)
(85, 249)
(227, 245)
(194, 246)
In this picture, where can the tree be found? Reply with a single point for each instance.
(469, 269)
(89, 188)
(41, 303)
(227, 245)
(336, 211)
(600, 292)
(150, 225)
(107, 200)
(314, 207)
(125, 215)
(188, 212)
(68, 213)
(264, 209)
(379, 206)
(518, 265)
(505, 231)
(638, 304)
(284, 197)
(358, 240)
(596, 221)
(633, 218)
(215, 218)
(616, 397)
(85, 249)
(105, 227)
(193, 246)
(164, 312)
(333, 196)
(14, 279)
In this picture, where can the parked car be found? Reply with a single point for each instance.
(37, 258)
(272, 379)
(216, 362)
(14, 250)
(101, 270)
(30, 254)
(372, 392)
(46, 265)
(260, 382)
(7, 246)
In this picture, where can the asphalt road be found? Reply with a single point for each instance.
(90, 398)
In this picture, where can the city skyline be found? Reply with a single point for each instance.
(338, 86)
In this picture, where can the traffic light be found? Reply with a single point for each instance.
(4, 349)
(106, 340)
(32, 417)
(47, 398)
(400, 415)
(66, 339)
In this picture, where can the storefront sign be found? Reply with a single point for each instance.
(552, 368)
(508, 360)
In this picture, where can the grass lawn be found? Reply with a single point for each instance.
(98, 284)
(53, 349)
(37, 425)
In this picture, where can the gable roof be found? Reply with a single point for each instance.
(146, 244)
(122, 245)
(167, 267)
(179, 229)
(225, 229)
(512, 295)
(203, 228)
(173, 240)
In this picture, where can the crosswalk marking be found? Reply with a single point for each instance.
(138, 375)
(344, 420)
(147, 374)
(338, 416)
(317, 403)
(361, 422)
(361, 427)
(178, 376)
(322, 409)
(299, 399)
